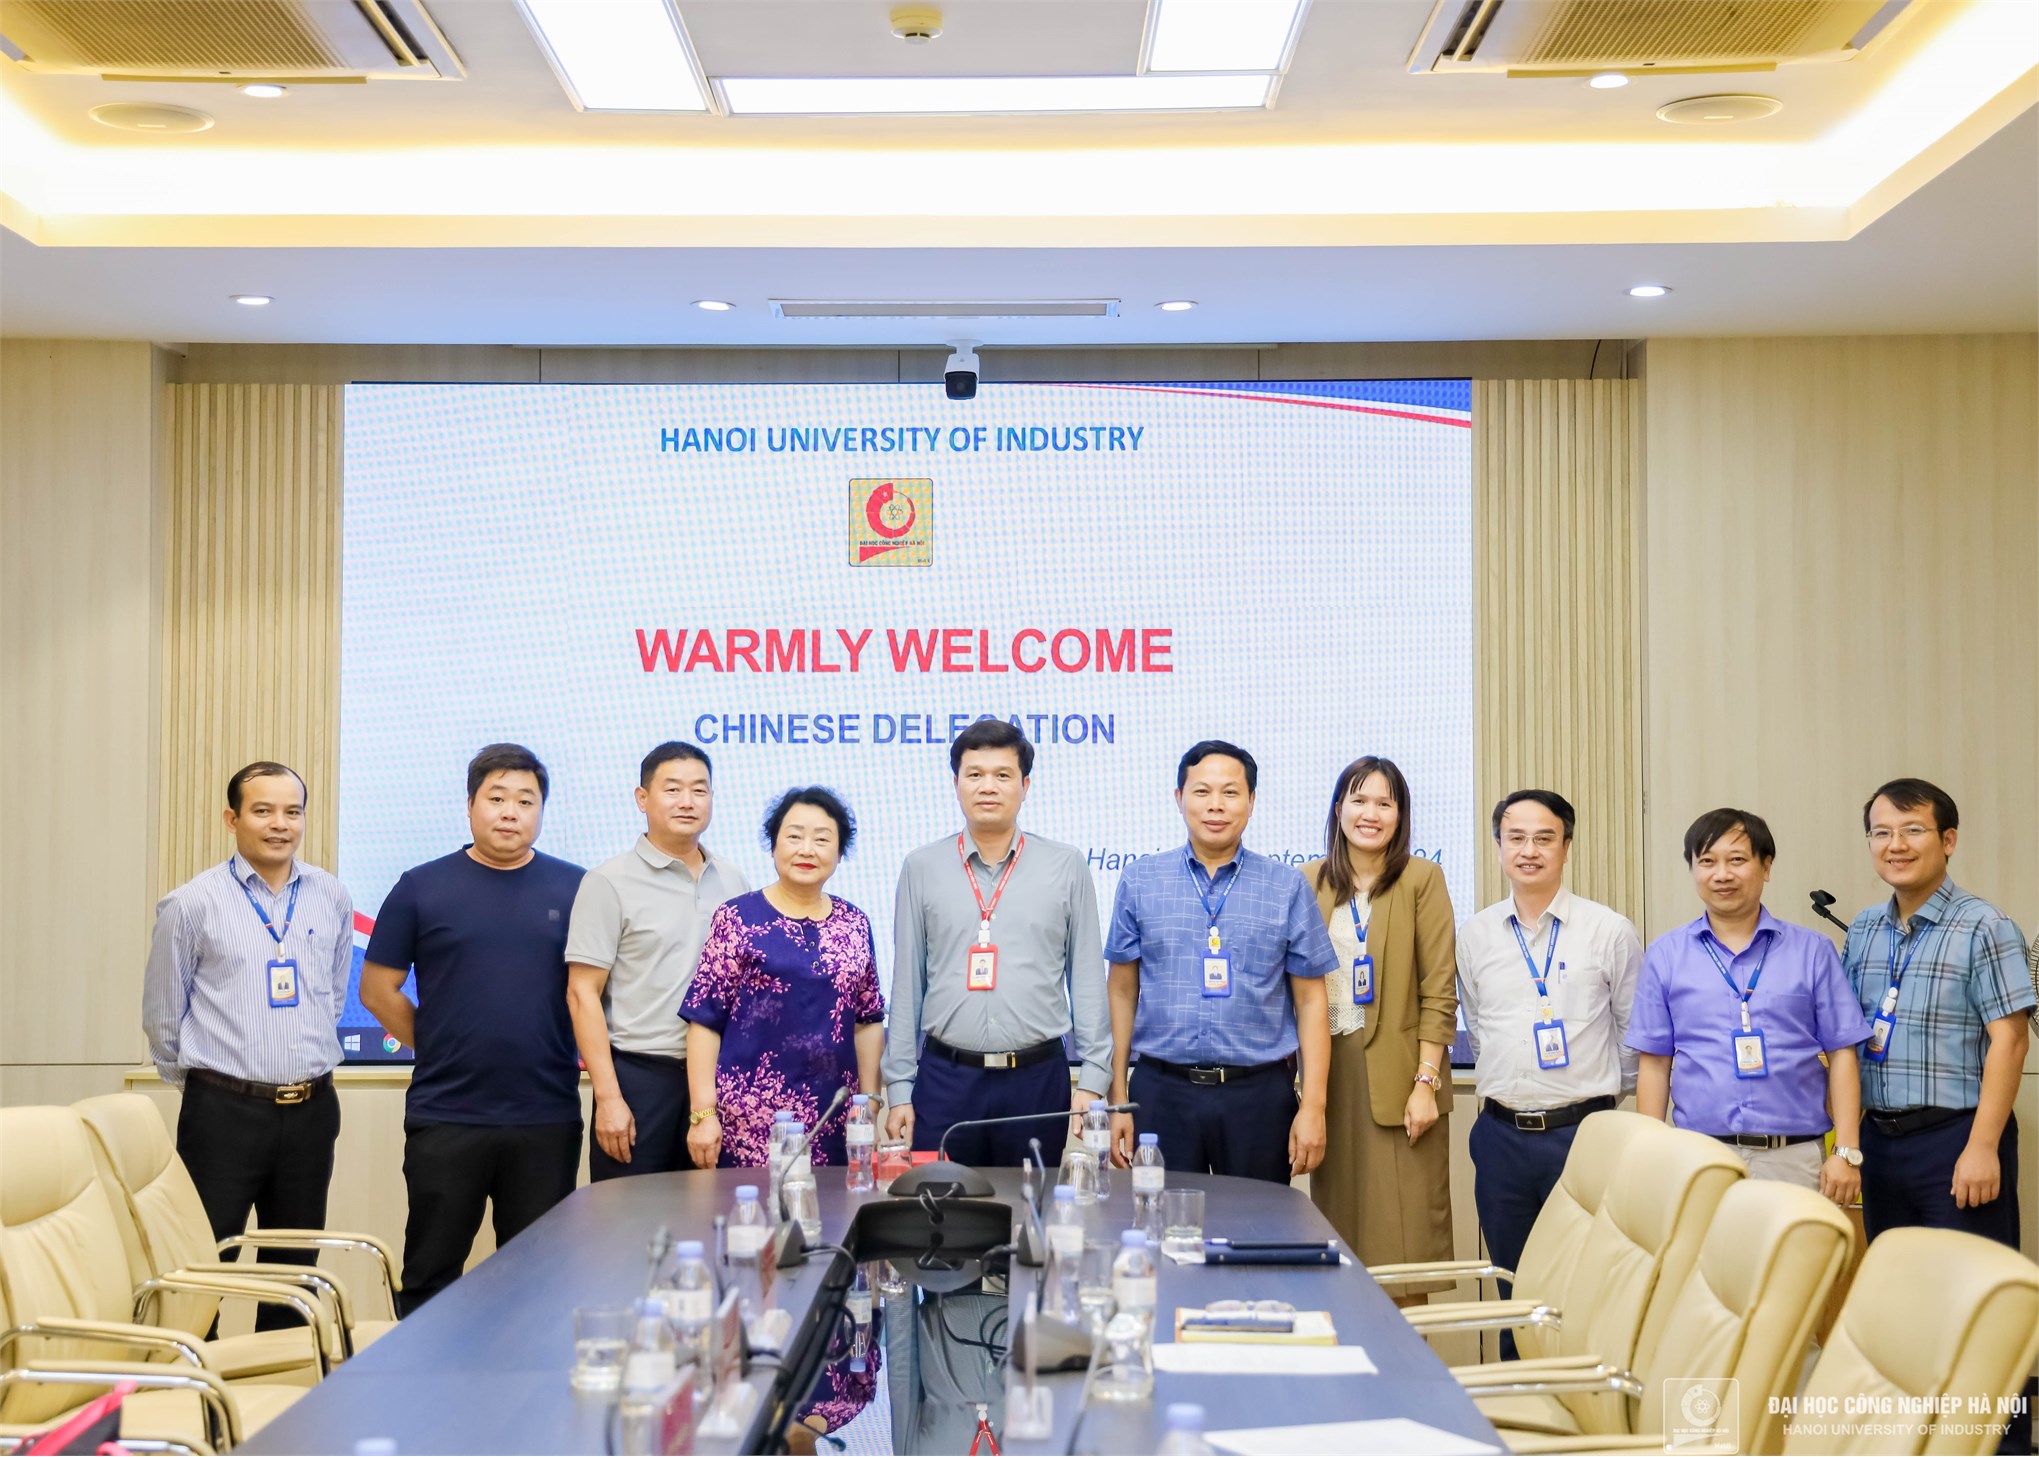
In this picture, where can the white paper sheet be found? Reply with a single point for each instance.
(1246, 1358)
(1336, 1439)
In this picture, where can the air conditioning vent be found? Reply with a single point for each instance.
(1065, 308)
(228, 40)
(1575, 37)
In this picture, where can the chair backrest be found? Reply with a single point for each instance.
(1933, 1313)
(162, 1220)
(60, 1250)
(1745, 1312)
(1646, 1234)
(1550, 1256)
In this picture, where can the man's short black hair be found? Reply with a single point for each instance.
(991, 733)
(1556, 803)
(1202, 751)
(664, 754)
(1916, 794)
(1717, 824)
(261, 769)
(505, 759)
(827, 801)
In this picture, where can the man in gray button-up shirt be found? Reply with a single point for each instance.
(638, 924)
(993, 1024)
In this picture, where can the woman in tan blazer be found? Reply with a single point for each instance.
(1385, 1183)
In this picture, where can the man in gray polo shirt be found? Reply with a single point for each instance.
(997, 953)
(638, 924)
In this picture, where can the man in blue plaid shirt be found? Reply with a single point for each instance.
(1941, 974)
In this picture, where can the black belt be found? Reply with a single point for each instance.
(285, 1093)
(1767, 1140)
(1901, 1121)
(1025, 1057)
(1216, 1074)
(1546, 1119)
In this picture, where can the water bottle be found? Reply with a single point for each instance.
(1094, 1279)
(1128, 1374)
(860, 1135)
(1185, 1436)
(1097, 1138)
(690, 1312)
(1149, 1177)
(648, 1377)
(803, 1198)
(776, 1150)
(748, 1233)
(858, 1304)
(1065, 1257)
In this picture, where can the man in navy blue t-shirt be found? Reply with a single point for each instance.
(494, 1113)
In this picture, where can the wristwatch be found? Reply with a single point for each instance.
(699, 1116)
(1852, 1156)
(1430, 1078)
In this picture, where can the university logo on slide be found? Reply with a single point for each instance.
(892, 523)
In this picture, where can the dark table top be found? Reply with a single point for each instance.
(484, 1366)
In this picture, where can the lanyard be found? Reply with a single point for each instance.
(1706, 939)
(986, 912)
(1189, 869)
(1542, 980)
(289, 912)
(1897, 972)
(1358, 926)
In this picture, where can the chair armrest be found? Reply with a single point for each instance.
(141, 1337)
(222, 1417)
(1488, 1372)
(327, 1239)
(1439, 1270)
(1641, 1444)
(336, 1329)
(1483, 1315)
(263, 1292)
(1599, 1378)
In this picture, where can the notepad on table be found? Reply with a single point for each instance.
(1311, 1328)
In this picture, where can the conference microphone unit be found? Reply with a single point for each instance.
(790, 1240)
(945, 1180)
(1821, 899)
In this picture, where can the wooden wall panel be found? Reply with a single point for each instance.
(1557, 602)
(251, 644)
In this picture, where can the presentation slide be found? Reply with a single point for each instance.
(824, 584)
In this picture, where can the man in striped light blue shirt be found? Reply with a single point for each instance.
(246, 979)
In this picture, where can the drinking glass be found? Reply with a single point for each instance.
(1182, 1222)
(601, 1339)
(1079, 1171)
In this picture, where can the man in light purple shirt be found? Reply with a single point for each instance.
(1734, 1013)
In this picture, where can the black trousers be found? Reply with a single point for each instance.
(656, 1090)
(946, 1092)
(1514, 1172)
(275, 1159)
(1240, 1127)
(452, 1169)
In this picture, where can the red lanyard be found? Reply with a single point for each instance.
(986, 912)
(985, 1440)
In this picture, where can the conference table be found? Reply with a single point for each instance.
(484, 1366)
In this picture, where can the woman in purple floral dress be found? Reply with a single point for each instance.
(784, 1007)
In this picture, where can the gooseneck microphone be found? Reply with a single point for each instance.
(1821, 899)
(945, 1180)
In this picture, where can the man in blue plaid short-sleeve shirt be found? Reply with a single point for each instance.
(1941, 975)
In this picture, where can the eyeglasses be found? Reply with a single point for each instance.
(1516, 840)
(1249, 1307)
(1910, 834)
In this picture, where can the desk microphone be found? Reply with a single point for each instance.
(944, 1179)
(791, 1239)
(1821, 899)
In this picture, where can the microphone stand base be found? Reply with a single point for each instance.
(942, 1179)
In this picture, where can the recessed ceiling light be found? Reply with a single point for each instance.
(266, 90)
(987, 95)
(620, 55)
(1177, 306)
(252, 300)
(1648, 290)
(1220, 35)
(149, 116)
(1607, 81)
(1716, 110)
(713, 305)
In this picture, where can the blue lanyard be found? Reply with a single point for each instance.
(1189, 869)
(1897, 972)
(1542, 982)
(1358, 926)
(1706, 940)
(289, 912)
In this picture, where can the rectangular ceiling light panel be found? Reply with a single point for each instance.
(1222, 35)
(1061, 308)
(982, 95)
(619, 55)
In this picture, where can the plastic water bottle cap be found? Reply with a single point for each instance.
(651, 1309)
(746, 1193)
(1185, 1414)
(795, 1127)
(784, 1115)
(860, 1100)
(1133, 1239)
(692, 1249)
(1065, 1193)
(1150, 1140)
(375, 1447)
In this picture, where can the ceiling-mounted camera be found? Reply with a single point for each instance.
(959, 375)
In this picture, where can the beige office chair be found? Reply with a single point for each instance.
(166, 1231)
(64, 1283)
(1744, 1314)
(1550, 1256)
(1932, 1313)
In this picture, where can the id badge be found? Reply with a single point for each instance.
(1880, 1028)
(1751, 1058)
(983, 973)
(283, 983)
(1362, 980)
(1552, 1051)
(1217, 976)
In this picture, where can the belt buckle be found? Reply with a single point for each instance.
(1540, 1125)
(1207, 1077)
(293, 1092)
(999, 1059)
